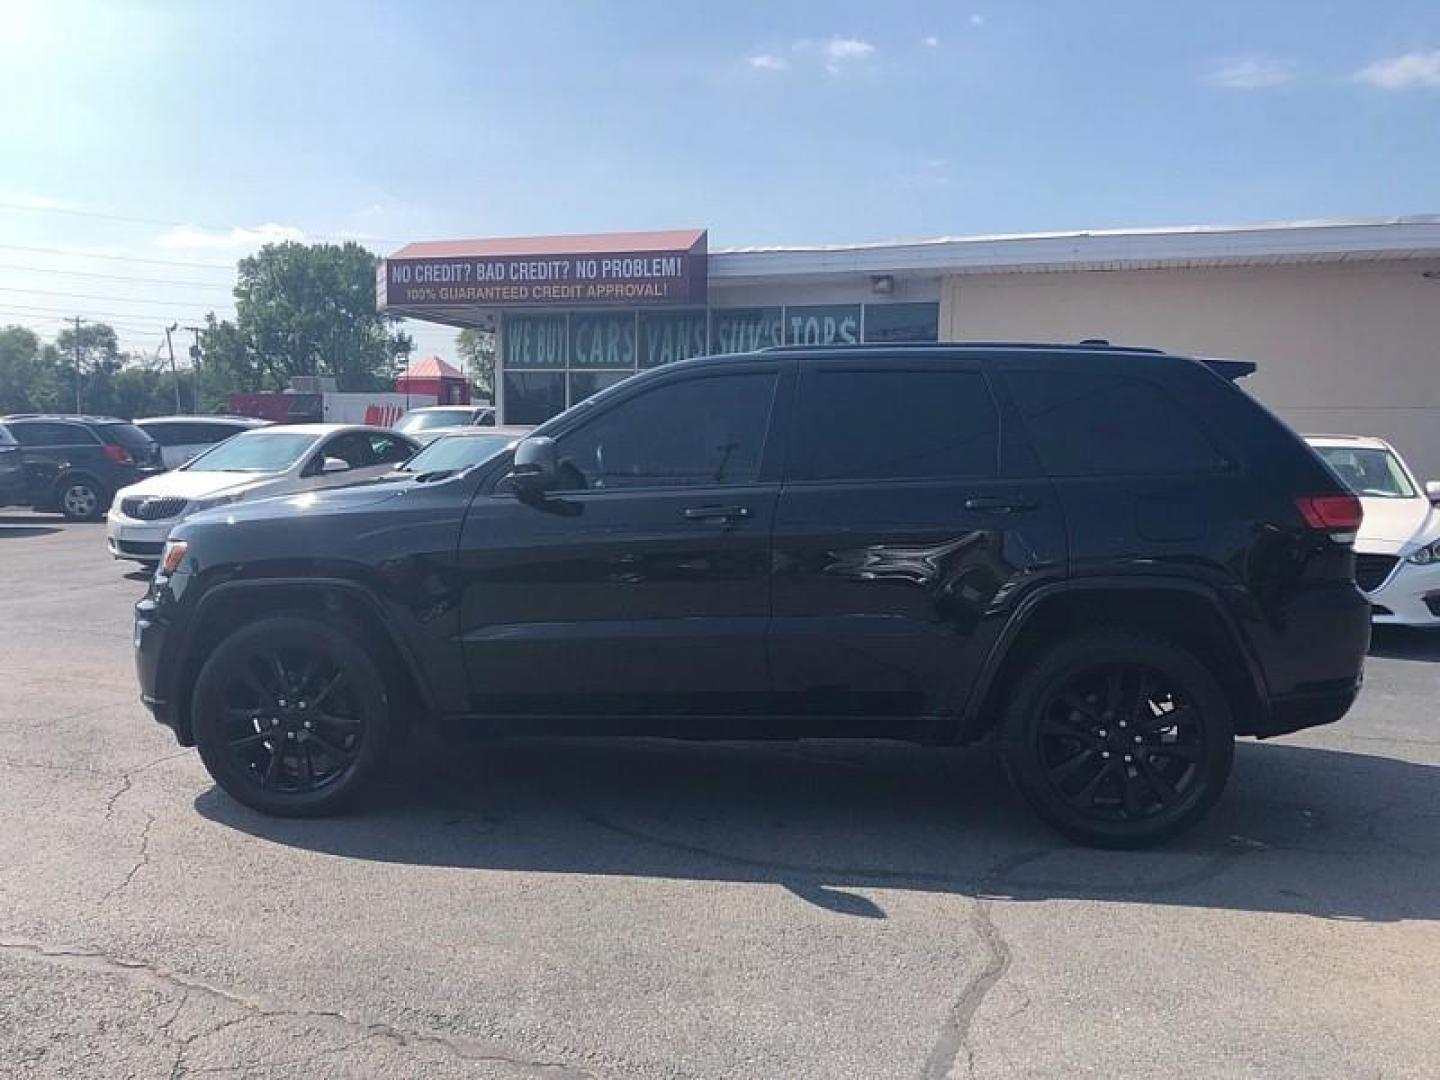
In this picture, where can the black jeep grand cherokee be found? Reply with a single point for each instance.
(1112, 560)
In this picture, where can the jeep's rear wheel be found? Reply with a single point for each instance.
(291, 716)
(1119, 739)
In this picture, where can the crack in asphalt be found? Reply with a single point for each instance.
(953, 1040)
(954, 1036)
(142, 860)
(97, 961)
(127, 780)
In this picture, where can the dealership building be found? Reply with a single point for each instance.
(1342, 317)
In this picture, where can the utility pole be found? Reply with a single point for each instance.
(195, 355)
(174, 377)
(79, 408)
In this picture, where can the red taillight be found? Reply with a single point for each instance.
(119, 455)
(1330, 511)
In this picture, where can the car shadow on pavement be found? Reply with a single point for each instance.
(1300, 830)
(1404, 643)
(15, 532)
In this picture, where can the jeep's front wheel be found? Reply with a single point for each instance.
(291, 716)
(1118, 739)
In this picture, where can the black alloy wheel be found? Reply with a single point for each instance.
(1117, 743)
(1118, 739)
(291, 716)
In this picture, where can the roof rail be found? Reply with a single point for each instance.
(1068, 346)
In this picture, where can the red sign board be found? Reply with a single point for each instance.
(530, 276)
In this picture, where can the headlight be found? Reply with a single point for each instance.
(172, 556)
(212, 503)
(1424, 556)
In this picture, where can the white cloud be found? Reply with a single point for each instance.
(189, 237)
(1403, 72)
(840, 51)
(930, 41)
(768, 62)
(1252, 73)
(977, 20)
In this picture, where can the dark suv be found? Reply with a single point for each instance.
(1110, 561)
(75, 464)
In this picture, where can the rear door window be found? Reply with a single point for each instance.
(1085, 423)
(915, 424)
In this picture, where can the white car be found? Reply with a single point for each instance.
(258, 464)
(1397, 551)
(184, 437)
(432, 421)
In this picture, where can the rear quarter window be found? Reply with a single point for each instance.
(127, 435)
(1084, 423)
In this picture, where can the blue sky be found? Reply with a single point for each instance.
(766, 122)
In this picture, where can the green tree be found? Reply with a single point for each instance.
(97, 350)
(303, 309)
(477, 352)
(31, 378)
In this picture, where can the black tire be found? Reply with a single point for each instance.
(81, 498)
(1118, 739)
(326, 704)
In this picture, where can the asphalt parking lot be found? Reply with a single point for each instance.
(650, 909)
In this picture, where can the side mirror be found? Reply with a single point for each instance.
(334, 465)
(1432, 491)
(536, 465)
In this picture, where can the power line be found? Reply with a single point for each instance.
(97, 296)
(127, 219)
(114, 277)
(134, 316)
(72, 253)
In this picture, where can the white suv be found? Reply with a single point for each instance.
(1397, 551)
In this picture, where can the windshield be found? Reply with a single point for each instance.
(255, 452)
(1369, 471)
(455, 452)
(428, 421)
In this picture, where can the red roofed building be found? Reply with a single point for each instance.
(434, 376)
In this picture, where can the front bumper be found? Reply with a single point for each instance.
(141, 541)
(151, 630)
(1410, 596)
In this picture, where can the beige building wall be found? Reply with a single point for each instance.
(1344, 348)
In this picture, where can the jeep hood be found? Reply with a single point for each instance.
(291, 505)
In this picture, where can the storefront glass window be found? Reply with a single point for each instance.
(602, 340)
(585, 383)
(532, 397)
(535, 341)
(830, 324)
(734, 330)
(902, 322)
(666, 336)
